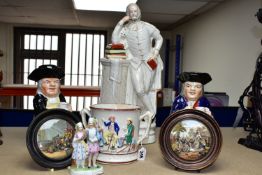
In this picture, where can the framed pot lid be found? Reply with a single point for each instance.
(49, 138)
(190, 140)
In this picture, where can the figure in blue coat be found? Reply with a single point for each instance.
(111, 134)
(191, 96)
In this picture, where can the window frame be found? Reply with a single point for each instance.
(20, 53)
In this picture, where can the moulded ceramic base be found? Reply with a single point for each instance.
(87, 171)
(116, 158)
(152, 134)
(149, 140)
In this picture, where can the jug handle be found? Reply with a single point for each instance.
(149, 117)
(83, 113)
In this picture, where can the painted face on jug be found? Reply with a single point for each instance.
(192, 90)
(50, 87)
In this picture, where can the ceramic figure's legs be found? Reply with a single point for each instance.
(78, 163)
(90, 159)
(145, 99)
(94, 159)
(142, 82)
(83, 163)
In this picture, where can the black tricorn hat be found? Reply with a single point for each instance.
(202, 78)
(46, 71)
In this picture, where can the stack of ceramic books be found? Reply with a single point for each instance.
(115, 51)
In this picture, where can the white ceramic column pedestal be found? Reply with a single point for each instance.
(113, 89)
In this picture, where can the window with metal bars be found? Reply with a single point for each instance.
(78, 52)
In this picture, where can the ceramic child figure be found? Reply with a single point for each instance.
(48, 94)
(80, 147)
(93, 135)
(191, 96)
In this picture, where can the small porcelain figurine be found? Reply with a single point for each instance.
(191, 96)
(48, 94)
(89, 150)
(93, 136)
(80, 151)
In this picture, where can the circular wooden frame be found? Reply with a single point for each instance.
(166, 144)
(32, 142)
